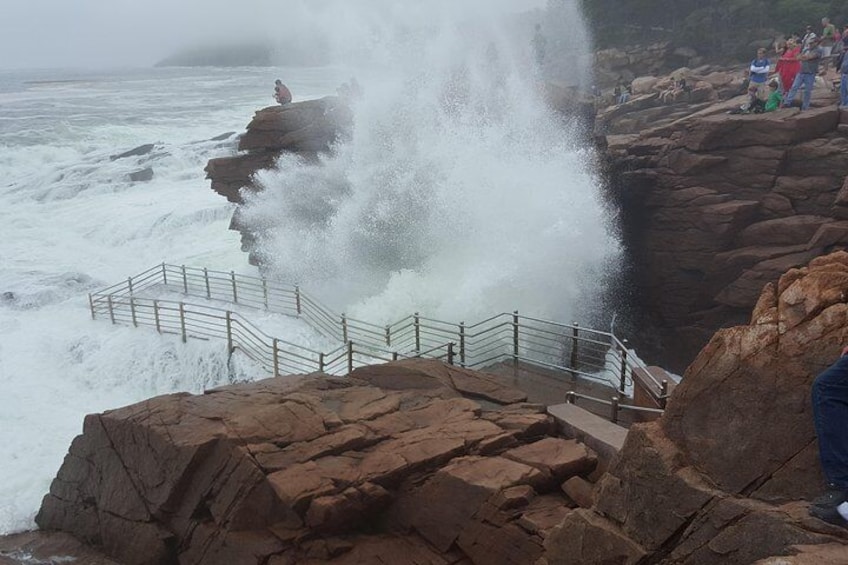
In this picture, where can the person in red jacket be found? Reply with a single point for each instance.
(789, 65)
(281, 93)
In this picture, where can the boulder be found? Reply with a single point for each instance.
(142, 175)
(135, 152)
(720, 476)
(302, 128)
(316, 469)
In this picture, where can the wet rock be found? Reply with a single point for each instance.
(717, 479)
(313, 469)
(142, 175)
(136, 152)
(223, 136)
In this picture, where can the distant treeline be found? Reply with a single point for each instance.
(712, 27)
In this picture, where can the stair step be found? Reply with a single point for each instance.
(597, 433)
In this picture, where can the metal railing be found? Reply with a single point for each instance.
(584, 352)
(614, 405)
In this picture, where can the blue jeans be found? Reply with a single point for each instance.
(830, 416)
(843, 89)
(807, 80)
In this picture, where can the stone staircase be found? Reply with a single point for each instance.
(599, 434)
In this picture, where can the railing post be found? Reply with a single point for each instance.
(623, 372)
(515, 338)
(132, 311)
(129, 284)
(575, 334)
(320, 362)
(614, 410)
(182, 321)
(344, 327)
(229, 318)
(164, 275)
(276, 359)
(663, 393)
(156, 315)
(349, 357)
(91, 304)
(265, 292)
(389, 336)
(417, 324)
(206, 280)
(185, 280)
(462, 344)
(111, 310)
(571, 397)
(297, 298)
(450, 353)
(235, 292)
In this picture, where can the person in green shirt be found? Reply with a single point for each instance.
(828, 36)
(774, 97)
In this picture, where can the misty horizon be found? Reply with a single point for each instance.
(45, 34)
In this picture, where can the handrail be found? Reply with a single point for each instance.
(593, 354)
(614, 404)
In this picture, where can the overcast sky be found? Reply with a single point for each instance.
(105, 33)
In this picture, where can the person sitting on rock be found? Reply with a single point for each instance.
(774, 97)
(281, 93)
(830, 418)
(753, 104)
(673, 92)
(810, 58)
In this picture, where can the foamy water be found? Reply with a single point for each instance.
(459, 195)
(73, 223)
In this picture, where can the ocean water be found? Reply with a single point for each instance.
(72, 222)
(460, 194)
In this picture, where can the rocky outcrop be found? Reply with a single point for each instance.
(391, 465)
(630, 62)
(302, 128)
(656, 101)
(717, 480)
(714, 206)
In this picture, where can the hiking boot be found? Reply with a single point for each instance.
(833, 497)
(829, 515)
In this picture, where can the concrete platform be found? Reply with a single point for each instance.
(598, 433)
(548, 387)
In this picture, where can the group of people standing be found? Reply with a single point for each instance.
(802, 58)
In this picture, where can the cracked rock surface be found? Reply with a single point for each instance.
(723, 477)
(410, 462)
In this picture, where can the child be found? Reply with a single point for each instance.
(774, 97)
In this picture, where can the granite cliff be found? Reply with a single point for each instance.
(713, 205)
(420, 462)
(717, 479)
(410, 462)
